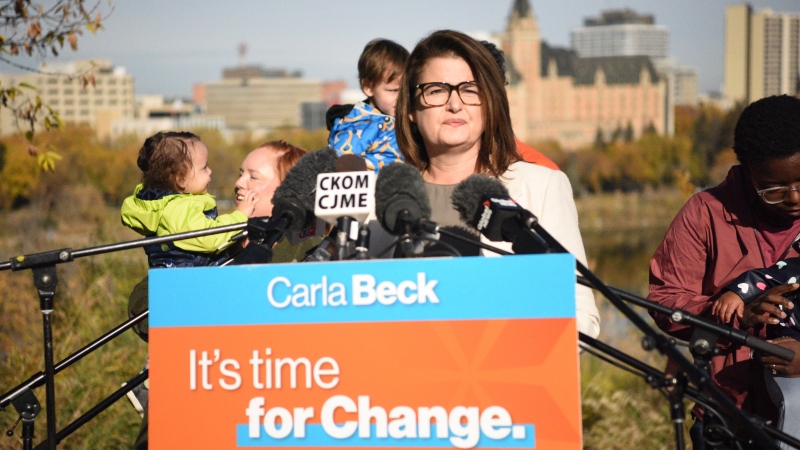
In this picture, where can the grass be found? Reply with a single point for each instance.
(621, 232)
(91, 298)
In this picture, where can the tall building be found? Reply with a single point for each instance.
(762, 53)
(627, 33)
(555, 94)
(685, 88)
(251, 98)
(60, 86)
(621, 33)
(682, 82)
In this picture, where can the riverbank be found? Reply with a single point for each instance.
(635, 211)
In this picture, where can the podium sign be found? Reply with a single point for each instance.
(426, 353)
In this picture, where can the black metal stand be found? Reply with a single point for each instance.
(537, 240)
(676, 387)
(700, 378)
(45, 279)
(720, 438)
(702, 342)
(28, 407)
(97, 409)
(38, 379)
(25, 401)
(676, 412)
(344, 246)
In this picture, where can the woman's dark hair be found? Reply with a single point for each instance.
(288, 155)
(165, 160)
(498, 148)
(768, 129)
(381, 60)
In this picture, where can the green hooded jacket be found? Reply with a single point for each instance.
(178, 213)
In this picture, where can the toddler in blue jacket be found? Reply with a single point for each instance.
(366, 129)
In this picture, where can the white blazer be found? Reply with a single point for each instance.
(548, 195)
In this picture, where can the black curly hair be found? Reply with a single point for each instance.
(768, 129)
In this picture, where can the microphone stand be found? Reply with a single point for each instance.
(542, 241)
(676, 387)
(428, 226)
(702, 343)
(698, 376)
(657, 380)
(45, 279)
(362, 242)
(344, 246)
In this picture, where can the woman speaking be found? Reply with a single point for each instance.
(453, 121)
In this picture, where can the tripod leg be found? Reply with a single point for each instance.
(49, 367)
(676, 409)
(27, 434)
(46, 279)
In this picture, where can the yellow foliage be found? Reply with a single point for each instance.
(112, 169)
(18, 175)
(47, 161)
(652, 160)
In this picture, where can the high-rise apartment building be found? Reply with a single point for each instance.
(627, 33)
(60, 86)
(762, 53)
(621, 33)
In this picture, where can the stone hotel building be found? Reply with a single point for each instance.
(554, 94)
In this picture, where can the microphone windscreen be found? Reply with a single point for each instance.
(400, 186)
(351, 163)
(301, 180)
(469, 194)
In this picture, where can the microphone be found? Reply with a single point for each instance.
(403, 207)
(344, 199)
(401, 203)
(484, 203)
(293, 199)
(401, 200)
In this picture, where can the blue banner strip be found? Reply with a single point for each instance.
(509, 287)
(317, 437)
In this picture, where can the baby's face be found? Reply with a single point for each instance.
(198, 178)
(384, 95)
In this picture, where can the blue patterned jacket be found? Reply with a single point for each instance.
(367, 133)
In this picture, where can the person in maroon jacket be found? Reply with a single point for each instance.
(748, 221)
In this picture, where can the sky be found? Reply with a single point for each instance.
(168, 45)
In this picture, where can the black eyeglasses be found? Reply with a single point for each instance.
(438, 93)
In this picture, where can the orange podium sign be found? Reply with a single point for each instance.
(436, 353)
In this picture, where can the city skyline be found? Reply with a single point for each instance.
(168, 47)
